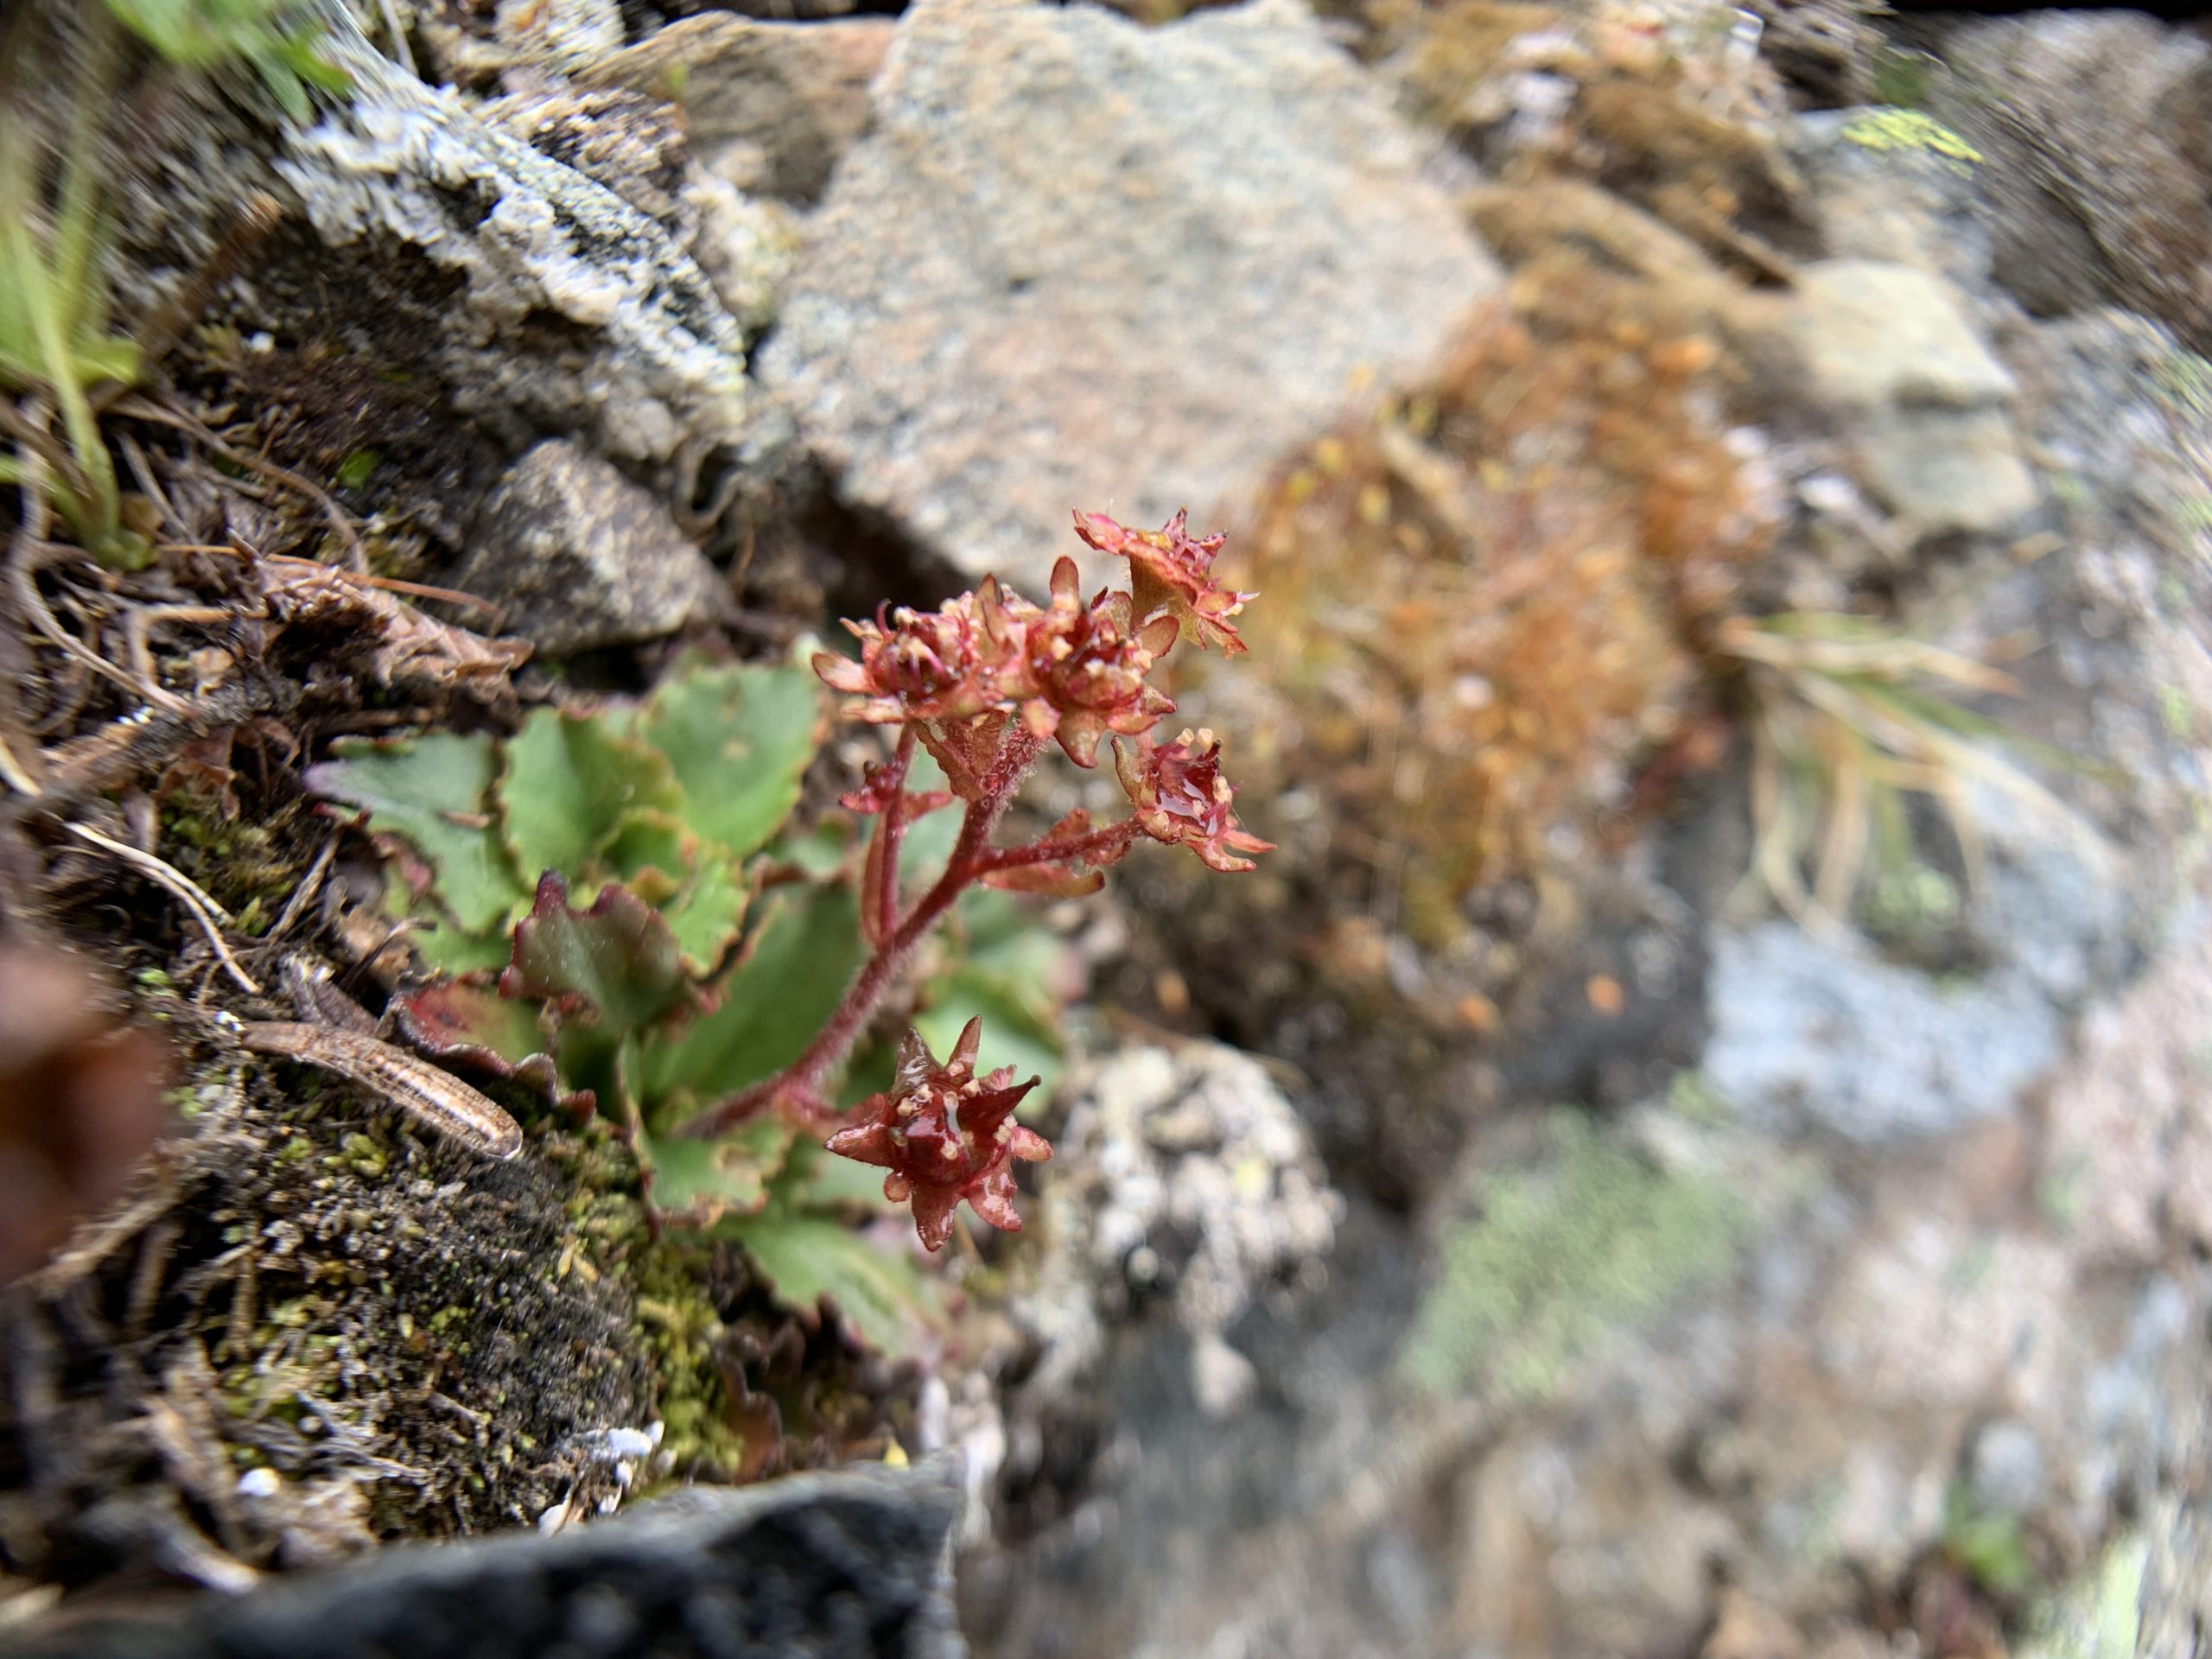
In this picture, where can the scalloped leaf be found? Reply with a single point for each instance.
(895, 1308)
(805, 952)
(699, 1182)
(435, 793)
(473, 1025)
(569, 784)
(618, 959)
(739, 738)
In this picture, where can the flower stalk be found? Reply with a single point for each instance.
(985, 683)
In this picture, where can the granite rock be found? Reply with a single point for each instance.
(1078, 263)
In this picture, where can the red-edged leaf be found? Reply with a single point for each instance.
(617, 961)
(471, 1025)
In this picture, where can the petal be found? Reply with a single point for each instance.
(933, 1208)
(865, 1143)
(1028, 1146)
(963, 1052)
(991, 1197)
(1079, 733)
(840, 673)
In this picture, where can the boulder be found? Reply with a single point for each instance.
(1078, 263)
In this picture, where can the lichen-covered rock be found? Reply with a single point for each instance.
(1183, 1174)
(556, 305)
(1081, 263)
(580, 557)
(1925, 407)
(768, 107)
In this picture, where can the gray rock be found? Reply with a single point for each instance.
(1925, 406)
(2006, 1467)
(848, 1566)
(582, 558)
(1809, 1032)
(554, 303)
(768, 107)
(1083, 263)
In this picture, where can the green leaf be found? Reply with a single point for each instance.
(435, 793)
(698, 1183)
(739, 738)
(701, 893)
(618, 958)
(569, 785)
(1011, 1035)
(893, 1307)
(806, 951)
(706, 915)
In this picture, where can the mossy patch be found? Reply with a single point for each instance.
(1595, 1241)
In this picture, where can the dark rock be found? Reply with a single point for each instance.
(582, 558)
(2097, 131)
(847, 1566)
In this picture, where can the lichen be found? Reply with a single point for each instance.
(1898, 129)
(2099, 1615)
(1555, 1258)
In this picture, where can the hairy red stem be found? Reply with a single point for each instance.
(799, 1083)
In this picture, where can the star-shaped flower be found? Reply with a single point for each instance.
(1182, 798)
(946, 1134)
(1170, 570)
(1084, 667)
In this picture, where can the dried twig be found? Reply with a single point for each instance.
(415, 1087)
(140, 408)
(211, 916)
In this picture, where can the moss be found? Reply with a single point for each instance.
(1555, 1258)
(1897, 129)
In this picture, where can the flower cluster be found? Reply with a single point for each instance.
(946, 1134)
(984, 684)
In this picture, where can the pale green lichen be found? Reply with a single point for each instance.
(1596, 1241)
(2099, 1615)
(1896, 129)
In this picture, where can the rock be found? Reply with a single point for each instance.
(768, 107)
(1925, 406)
(2097, 131)
(852, 1565)
(2005, 1469)
(1812, 1033)
(1082, 263)
(582, 558)
(539, 298)
(1875, 193)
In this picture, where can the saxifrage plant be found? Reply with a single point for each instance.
(714, 994)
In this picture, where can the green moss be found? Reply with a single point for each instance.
(678, 1327)
(1898, 129)
(1557, 1257)
(1988, 1545)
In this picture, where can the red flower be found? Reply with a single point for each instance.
(1169, 571)
(1181, 796)
(939, 665)
(1085, 668)
(946, 1134)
